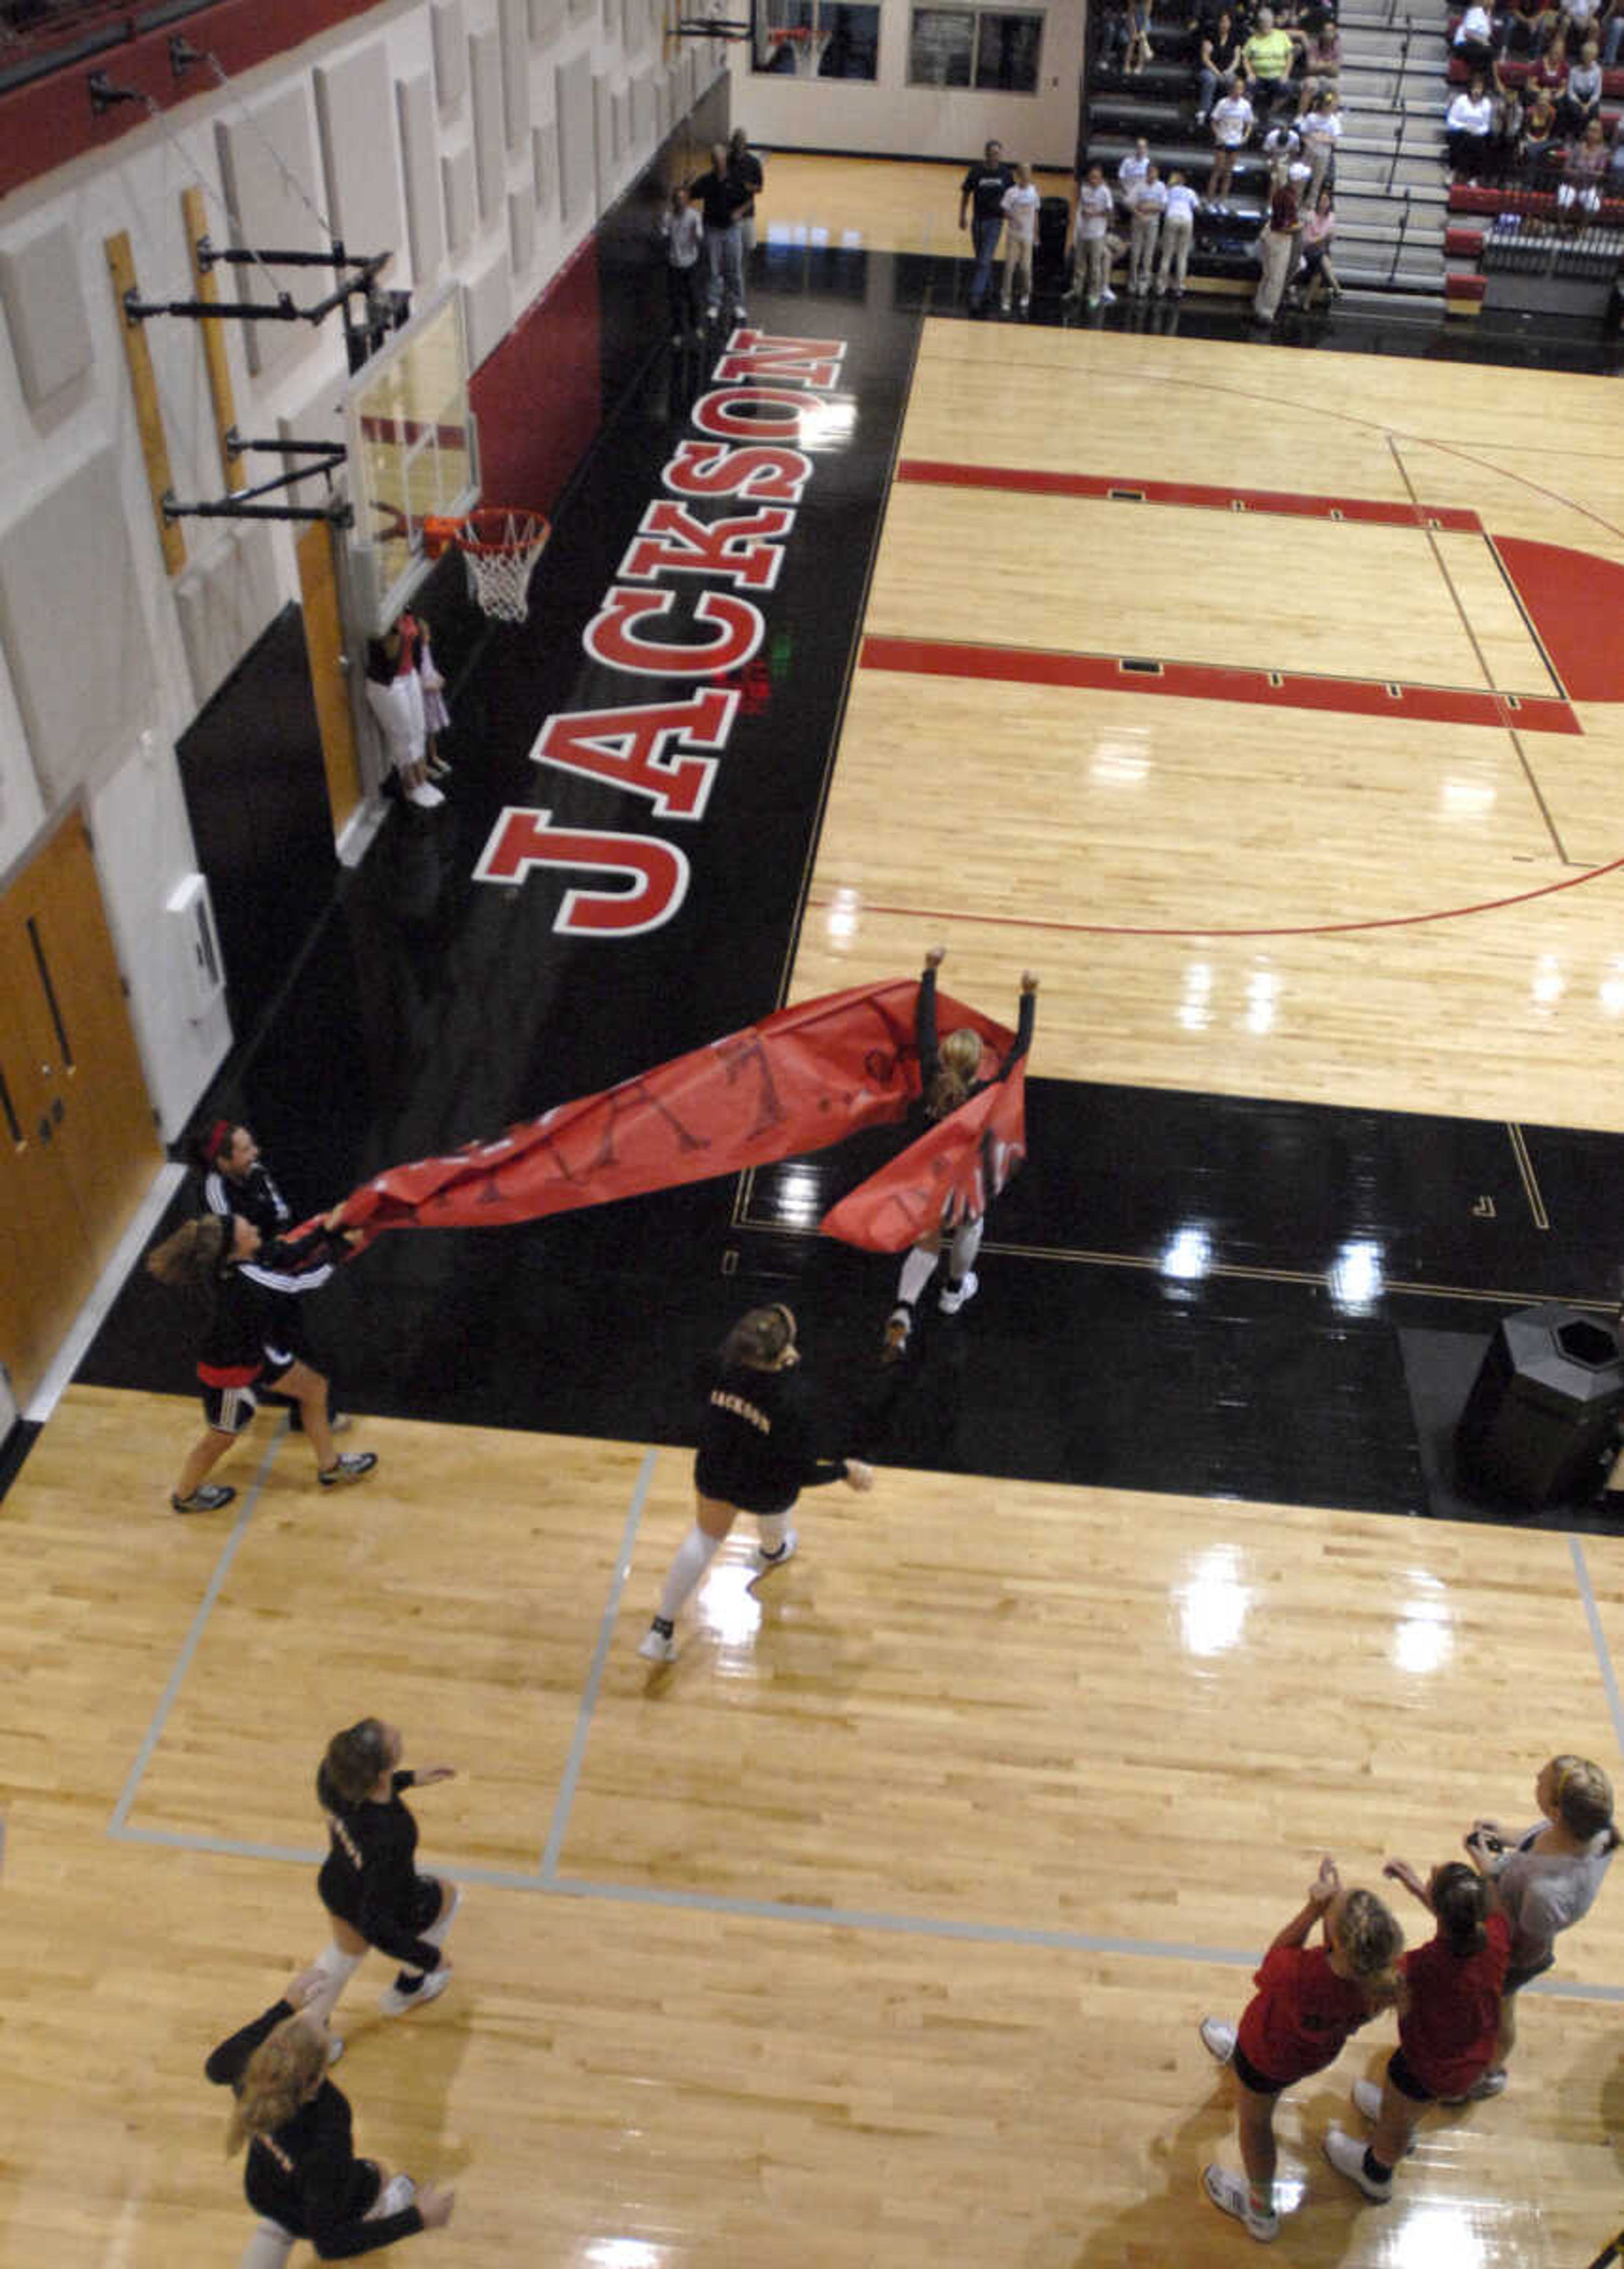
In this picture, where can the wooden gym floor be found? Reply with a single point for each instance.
(877, 1930)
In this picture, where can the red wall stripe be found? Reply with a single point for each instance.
(1297, 506)
(49, 120)
(1195, 681)
(538, 395)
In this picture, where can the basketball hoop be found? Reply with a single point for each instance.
(499, 544)
(806, 46)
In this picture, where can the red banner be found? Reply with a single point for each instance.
(797, 1081)
(949, 1175)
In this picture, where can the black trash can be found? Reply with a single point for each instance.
(1540, 1416)
(1049, 260)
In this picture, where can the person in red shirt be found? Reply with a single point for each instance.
(1448, 2016)
(1309, 1999)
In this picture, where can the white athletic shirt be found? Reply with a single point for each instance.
(1020, 213)
(1233, 120)
(1468, 117)
(1181, 203)
(1094, 210)
(1148, 199)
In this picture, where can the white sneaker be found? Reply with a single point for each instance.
(950, 1302)
(423, 797)
(1229, 2194)
(764, 1560)
(1347, 2154)
(1217, 2038)
(657, 1644)
(393, 2003)
(1109, 297)
(894, 1343)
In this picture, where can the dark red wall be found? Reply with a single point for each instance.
(538, 397)
(47, 121)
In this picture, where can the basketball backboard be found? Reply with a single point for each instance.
(413, 449)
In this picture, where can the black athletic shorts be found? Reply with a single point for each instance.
(1403, 2076)
(1517, 1978)
(1249, 2075)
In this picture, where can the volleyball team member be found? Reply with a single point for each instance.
(757, 1452)
(236, 1179)
(1547, 1879)
(369, 1882)
(241, 1344)
(1309, 2000)
(949, 1077)
(303, 2179)
(1448, 2017)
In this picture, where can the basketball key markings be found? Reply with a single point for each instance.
(745, 451)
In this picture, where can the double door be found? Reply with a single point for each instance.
(78, 1147)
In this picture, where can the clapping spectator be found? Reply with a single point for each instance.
(1232, 121)
(1321, 130)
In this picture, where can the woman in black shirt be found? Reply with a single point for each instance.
(303, 2177)
(757, 1452)
(245, 1281)
(369, 1882)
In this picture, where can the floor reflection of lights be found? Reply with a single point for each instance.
(623, 2253)
(729, 1612)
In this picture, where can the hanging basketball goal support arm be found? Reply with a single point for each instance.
(366, 267)
(326, 457)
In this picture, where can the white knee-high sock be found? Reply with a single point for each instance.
(269, 2248)
(435, 1935)
(966, 1245)
(694, 1555)
(919, 1266)
(773, 1527)
(337, 1968)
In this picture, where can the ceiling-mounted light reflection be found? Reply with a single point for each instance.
(1262, 989)
(1189, 1254)
(798, 1195)
(1441, 2237)
(825, 421)
(841, 919)
(726, 1607)
(1213, 1602)
(1118, 763)
(1611, 992)
(1549, 984)
(623, 2253)
(1467, 799)
(1195, 1010)
(1355, 1276)
(1423, 1638)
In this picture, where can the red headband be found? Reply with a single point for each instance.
(218, 1138)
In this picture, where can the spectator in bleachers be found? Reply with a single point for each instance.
(1282, 147)
(1278, 251)
(1177, 235)
(1092, 246)
(1580, 18)
(1322, 61)
(1500, 158)
(1548, 74)
(1316, 275)
(1474, 37)
(1468, 124)
(1529, 28)
(1612, 34)
(1113, 48)
(1538, 136)
(1584, 175)
(1232, 121)
(1130, 172)
(1147, 204)
(1615, 163)
(1580, 100)
(1140, 50)
(1221, 55)
(1267, 58)
(1321, 130)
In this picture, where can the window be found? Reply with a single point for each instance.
(984, 47)
(818, 39)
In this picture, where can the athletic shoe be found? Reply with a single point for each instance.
(659, 1642)
(423, 797)
(208, 1496)
(1493, 2083)
(335, 2050)
(1094, 298)
(676, 339)
(899, 1326)
(740, 313)
(1026, 301)
(353, 1466)
(1231, 2195)
(1347, 2154)
(765, 1561)
(339, 1421)
(1109, 297)
(1368, 2103)
(438, 768)
(951, 1301)
(393, 2003)
(1217, 2038)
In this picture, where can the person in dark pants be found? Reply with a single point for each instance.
(303, 2179)
(757, 1452)
(981, 210)
(746, 168)
(369, 1882)
(684, 231)
(721, 197)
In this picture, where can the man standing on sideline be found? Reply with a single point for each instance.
(1280, 251)
(986, 184)
(746, 167)
(720, 196)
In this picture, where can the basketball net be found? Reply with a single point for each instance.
(500, 545)
(805, 48)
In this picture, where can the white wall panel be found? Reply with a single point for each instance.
(544, 163)
(457, 176)
(487, 308)
(426, 226)
(225, 601)
(577, 163)
(484, 70)
(515, 31)
(362, 169)
(450, 53)
(272, 185)
(45, 314)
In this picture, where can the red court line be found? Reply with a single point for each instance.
(1280, 929)
(1298, 506)
(1201, 680)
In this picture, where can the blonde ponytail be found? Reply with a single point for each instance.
(280, 2075)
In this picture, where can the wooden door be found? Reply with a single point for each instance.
(324, 638)
(78, 1147)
